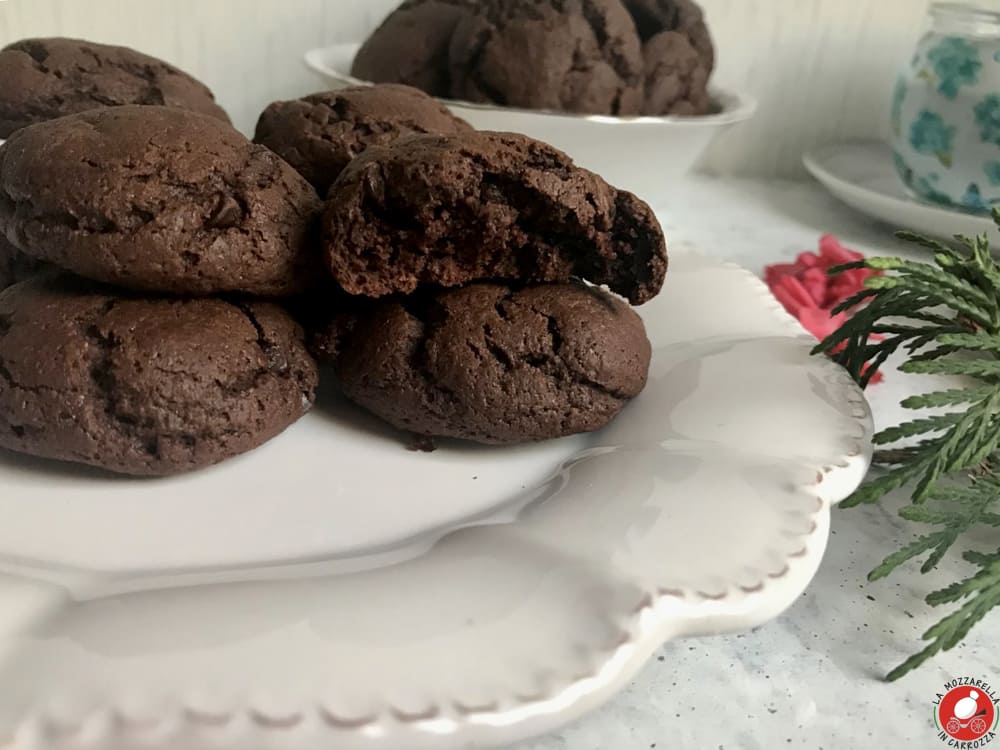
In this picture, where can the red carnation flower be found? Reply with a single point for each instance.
(807, 291)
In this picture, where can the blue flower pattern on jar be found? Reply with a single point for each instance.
(973, 199)
(988, 119)
(926, 188)
(930, 135)
(944, 123)
(956, 63)
(923, 185)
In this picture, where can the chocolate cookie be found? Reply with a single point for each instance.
(15, 266)
(676, 77)
(448, 210)
(493, 365)
(684, 17)
(42, 79)
(679, 56)
(320, 134)
(143, 385)
(153, 198)
(412, 45)
(563, 55)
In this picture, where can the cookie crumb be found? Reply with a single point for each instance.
(421, 444)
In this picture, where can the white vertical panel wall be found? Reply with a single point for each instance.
(822, 69)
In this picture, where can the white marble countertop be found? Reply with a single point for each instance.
(811, 679)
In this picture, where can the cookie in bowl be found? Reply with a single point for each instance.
(578, 56)
(412, 45)
(620, 58)
(678, 54)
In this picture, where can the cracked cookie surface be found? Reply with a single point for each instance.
(412, 45)
(141, 385)
(491, 364)
(676, 77)
(159, 199)
(448, 210)
(679, 56)
(320, 134)
(565, 55)
(612, 57)
(42, 79)
(578, 56)
(683, 17)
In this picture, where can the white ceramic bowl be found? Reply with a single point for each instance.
(634, 153)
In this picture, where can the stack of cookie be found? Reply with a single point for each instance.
(147, 348)
(460, 259)
(446, 277)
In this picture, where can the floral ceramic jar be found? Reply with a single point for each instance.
(946, 110)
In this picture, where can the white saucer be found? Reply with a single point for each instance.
(861, 174)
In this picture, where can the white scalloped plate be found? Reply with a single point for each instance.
(334, 590)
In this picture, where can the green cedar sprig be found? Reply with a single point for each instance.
(945, 318)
